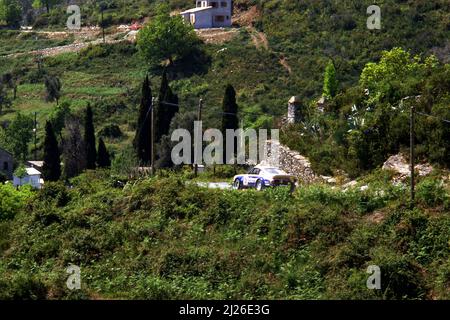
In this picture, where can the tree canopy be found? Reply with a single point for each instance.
(166, 37)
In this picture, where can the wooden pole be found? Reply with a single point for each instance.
(35, 136)
(412, 155)
(152, 129)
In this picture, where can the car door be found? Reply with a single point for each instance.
(253, 177)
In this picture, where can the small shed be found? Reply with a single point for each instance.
(32, 177)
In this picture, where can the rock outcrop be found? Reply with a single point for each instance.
(400, 166)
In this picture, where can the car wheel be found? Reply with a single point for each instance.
(237, 184)
(259, 185)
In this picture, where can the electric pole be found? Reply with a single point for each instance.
(199, 118)
(412, 155)
(152, 129)
(35, 136)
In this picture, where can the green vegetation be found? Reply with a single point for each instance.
(166, 37)
(164, 238)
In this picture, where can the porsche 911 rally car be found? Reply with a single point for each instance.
(261, 177)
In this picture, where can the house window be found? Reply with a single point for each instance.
(192, 18)
(223, 4)
(219, 18)
(5, 166)
(213, 4)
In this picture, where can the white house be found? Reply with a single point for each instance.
(33, 178)
(210, 14)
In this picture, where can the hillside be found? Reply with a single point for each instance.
(169, 236)
(161, 238)
(302, 35)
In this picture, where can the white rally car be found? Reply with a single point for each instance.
(261, 177)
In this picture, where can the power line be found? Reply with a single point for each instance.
(228, 113)
(429, 115)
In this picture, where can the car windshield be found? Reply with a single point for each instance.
(273, 171)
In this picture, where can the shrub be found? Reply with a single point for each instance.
(431, 192)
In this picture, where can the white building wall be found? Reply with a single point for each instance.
(216, 17)
(33, 180)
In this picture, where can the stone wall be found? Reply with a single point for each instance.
(290, 161)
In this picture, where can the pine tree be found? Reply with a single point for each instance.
(330, 83)
(103, 159)
(51, 169)
(142, 140)
(89, 139)
(166, 108)
(229, 118)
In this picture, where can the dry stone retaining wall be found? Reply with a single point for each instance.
(291, 161)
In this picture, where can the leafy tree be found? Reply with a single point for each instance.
(166, 37)
(103, 159)
(142, 140)
(10, 12)
(17, 136)
(397, 75)
(166, 108)
(12, 200)
(53, 87)
(89, 139)
(52, 158)
(330, 83)
(229, 117)
(20, 172)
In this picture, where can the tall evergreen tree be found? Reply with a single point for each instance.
(89, 139)
(51, 169)
(166, 109)
(229, 118)
(142, 140)
(330, 83)
(103, 159)
(74, 148)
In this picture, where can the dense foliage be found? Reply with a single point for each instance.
(165, 238)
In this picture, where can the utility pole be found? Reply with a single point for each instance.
(35, 136)
(199, 118)
(152, 129)
(412, 155)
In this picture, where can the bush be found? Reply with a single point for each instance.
(431, 192)
(12, 200)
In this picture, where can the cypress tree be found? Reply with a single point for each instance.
(103, 159)
(89, 139)
(229, 117)
(142, 140)
(165, 112)
(330, 83)
(51, 169)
